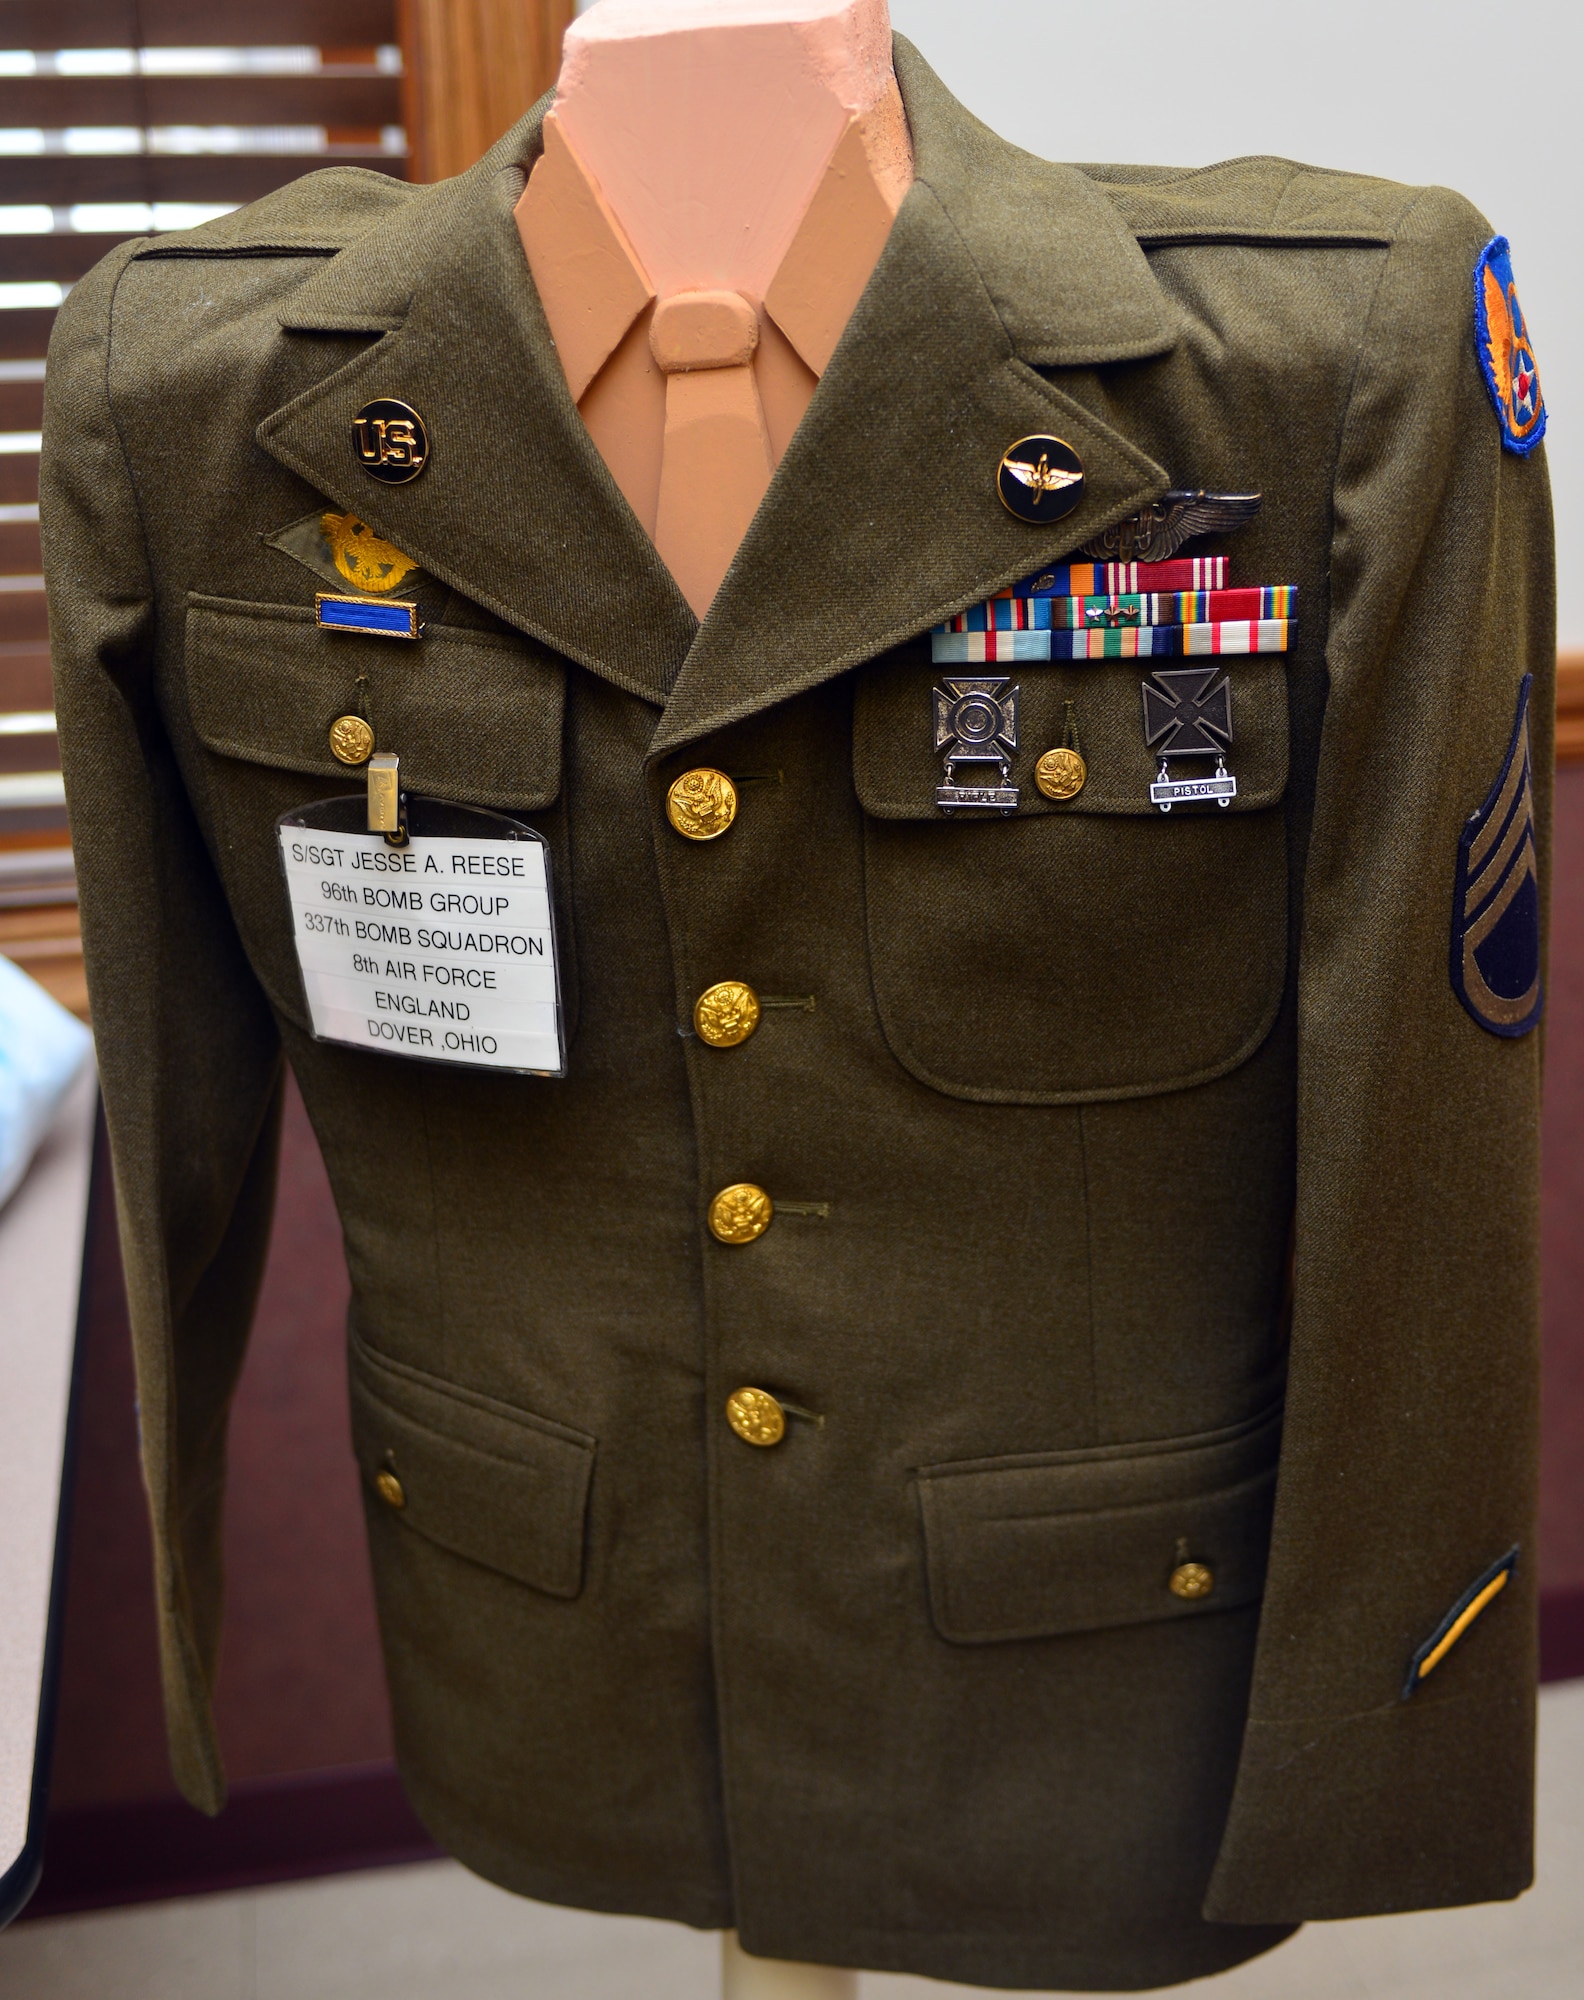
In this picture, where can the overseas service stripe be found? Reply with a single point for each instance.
(1126, 642)
(1157, 607)
(1105, 579)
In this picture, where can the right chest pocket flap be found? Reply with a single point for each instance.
(1077, 950)
(475, 716)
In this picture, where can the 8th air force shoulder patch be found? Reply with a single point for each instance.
(1496, 897)
(1502, 341)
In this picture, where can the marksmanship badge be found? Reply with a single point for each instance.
(1185, 716)
(976, 723)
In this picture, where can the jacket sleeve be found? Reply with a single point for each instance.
(1409, 1456)
(188, 1051)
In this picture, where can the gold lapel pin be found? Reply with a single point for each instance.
(390, 440)
(1040, 479)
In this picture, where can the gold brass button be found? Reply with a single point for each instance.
(1060, 774)
(756, 1416)
(351, 740)
(1191, 1580)
(701, 804)
(389, 1489)
(740, 1212)
(726, 1014)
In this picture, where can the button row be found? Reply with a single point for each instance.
(701, 805)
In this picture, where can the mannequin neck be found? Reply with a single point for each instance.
(708, 124)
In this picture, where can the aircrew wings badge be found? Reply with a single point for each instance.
(1506, 356)
(1496, 897)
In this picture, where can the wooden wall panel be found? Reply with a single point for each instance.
(473, 68)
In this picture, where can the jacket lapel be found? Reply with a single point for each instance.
(516, 508)
(883, 517)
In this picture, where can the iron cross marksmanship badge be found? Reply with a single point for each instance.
(976, 723)
(1184, 716)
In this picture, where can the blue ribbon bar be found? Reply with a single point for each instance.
(383, 619)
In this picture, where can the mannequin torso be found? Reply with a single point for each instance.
(719, 178)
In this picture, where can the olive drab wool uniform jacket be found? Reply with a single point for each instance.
(1144, 1192)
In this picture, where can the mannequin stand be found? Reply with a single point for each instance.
(747, 1978)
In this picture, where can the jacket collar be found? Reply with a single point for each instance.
(882, 518)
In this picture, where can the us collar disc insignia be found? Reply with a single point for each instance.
(1160, 529)
(1501, 338)
(976, 723)
(1184, 716)
(374, 617)
(361, 556)
(1495, 963)
(390, 441)
(1040, 479)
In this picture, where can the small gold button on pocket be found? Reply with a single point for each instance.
(1060, 774)
(1191, 1580)
(351, 740)
(389, 1488)
(740, 1213)
(756, 1416)
(726, 1014)
(701, 804)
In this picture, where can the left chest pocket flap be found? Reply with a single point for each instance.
(474, 716)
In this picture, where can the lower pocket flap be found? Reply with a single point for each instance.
(1029, 1547)
(486, 1481)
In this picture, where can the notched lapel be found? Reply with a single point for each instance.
(516, 509)
(883, 517)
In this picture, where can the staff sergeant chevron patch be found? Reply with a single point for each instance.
(1495, 963)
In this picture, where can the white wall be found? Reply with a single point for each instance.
(1486, 99)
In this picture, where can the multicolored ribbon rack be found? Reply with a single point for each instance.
(1125, 642)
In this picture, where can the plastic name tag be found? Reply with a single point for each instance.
(442, 949)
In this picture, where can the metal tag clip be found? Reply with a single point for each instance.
(386, 807)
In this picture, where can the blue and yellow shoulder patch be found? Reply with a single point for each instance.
(1486, 1586)
(1495, 964)
(1501, 340)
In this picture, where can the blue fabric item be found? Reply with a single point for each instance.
(361, 614)
(1506, 355)
(1495, 958)
(42, 1052)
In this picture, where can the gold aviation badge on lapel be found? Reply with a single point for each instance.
(1040, 479)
